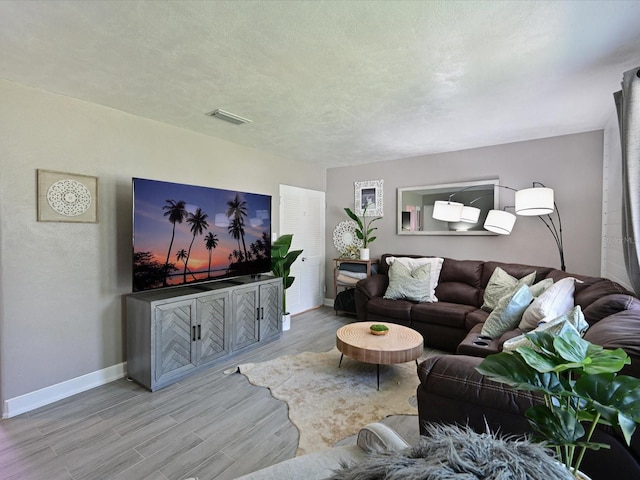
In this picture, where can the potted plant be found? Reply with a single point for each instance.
(581, 388)
(281, 261)
(363, 230)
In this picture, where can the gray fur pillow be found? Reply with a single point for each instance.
(450, 452)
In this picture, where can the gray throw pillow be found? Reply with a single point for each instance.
(507, 313)
(405, 284)
(501, 284)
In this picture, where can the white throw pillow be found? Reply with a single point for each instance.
(415, 263)
(556, 300)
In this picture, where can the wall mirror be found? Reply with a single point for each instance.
(415, 207)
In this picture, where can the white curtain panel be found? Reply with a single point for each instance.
(628, 107)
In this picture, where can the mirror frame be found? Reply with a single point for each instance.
(442, 192)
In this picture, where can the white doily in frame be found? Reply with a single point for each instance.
(344, 236)
(68, 197)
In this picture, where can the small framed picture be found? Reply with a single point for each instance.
(67, 197)
(369, 194)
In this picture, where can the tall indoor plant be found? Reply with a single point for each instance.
(581, 388)
(363, 230)
(281, 261)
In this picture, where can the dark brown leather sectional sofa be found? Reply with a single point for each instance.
(451, 391)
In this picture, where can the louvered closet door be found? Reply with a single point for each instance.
(175, 348)
(302, 213)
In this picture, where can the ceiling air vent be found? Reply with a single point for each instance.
(228, 117)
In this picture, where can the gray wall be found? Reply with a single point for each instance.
(571, 165)
(61, 284)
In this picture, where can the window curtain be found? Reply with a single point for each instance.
(628, 106)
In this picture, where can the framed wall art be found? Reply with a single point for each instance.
(67, 197)
(369, 194)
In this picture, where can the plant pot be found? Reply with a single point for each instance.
(364, 254)
(286, 321)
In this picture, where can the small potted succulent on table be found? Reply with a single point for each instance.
(581, 388)
(379, 329)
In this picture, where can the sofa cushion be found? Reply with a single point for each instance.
(555, 301)
(501, 284)
(460, 282)
(507, 314)
(408, 284)
(477, 317)
(441, 313)
(392, 309)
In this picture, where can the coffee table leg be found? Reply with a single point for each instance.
(378, 374)
(341, 356)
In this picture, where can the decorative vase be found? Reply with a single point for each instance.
(364, 254)
(286, 321)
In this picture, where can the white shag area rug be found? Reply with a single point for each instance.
(327, 403)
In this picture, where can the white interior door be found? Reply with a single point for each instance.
(302, 213)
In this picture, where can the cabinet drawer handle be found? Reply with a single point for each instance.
(199, 332)
(257, 313)
(193, 337)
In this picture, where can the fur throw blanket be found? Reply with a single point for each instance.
(450, 452)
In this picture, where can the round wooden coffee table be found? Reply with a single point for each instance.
(400, 345)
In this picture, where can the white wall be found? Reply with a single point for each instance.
(571, 165)
(61, 284)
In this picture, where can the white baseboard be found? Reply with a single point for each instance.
(328, 302)
(45, 396)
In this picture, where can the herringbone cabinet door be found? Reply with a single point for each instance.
(213, 327)
(245, 317)
(174, 345)
(270, 310)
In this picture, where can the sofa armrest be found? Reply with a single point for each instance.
(378, 438)
(368, 288)
(619, 330)
(373, 286)
(455, 377)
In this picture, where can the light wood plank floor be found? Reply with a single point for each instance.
(210, 426)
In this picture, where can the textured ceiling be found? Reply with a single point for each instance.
(335, 82)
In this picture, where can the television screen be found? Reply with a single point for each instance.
(185, 234)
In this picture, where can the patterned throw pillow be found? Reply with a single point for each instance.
(539, 288)
(501, 284)
(406, 284)
(555, 301)
(573, 319)
(507, 313)
(414, 263)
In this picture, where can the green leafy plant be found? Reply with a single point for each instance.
(281, 261)
(364, 229)
(378, 327)
(581, 388)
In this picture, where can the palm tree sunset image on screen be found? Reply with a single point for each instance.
(234, 229)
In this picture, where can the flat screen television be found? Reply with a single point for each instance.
(187, 234)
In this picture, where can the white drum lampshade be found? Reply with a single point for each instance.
(499, 221)
(534, 201)
(470, 214)
(447, 211)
